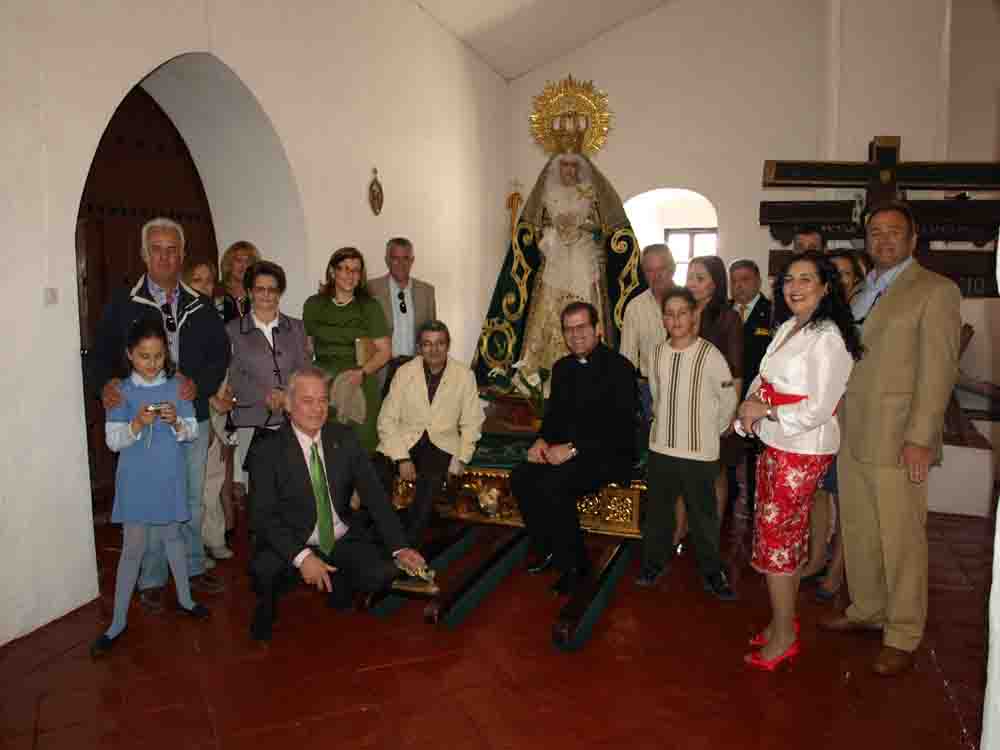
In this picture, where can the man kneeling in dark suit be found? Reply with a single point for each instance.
(304, 475)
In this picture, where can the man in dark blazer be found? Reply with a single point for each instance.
(306, 522)
(755, 311)
(200, 350)
(587, 440)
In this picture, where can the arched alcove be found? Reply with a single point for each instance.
(684, 219)
(240, 157)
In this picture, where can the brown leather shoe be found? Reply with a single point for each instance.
(892, 661)
(206, 583)
(151, 600)
(843, 624)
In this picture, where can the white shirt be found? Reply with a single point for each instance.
(814, 363)
(404, 334)
(339, 527)
(266, 328)
(642, 331)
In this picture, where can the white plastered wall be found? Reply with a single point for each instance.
(344, 89)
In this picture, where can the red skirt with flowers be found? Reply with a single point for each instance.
(786, 483)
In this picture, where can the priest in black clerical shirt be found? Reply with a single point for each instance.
(587, 440)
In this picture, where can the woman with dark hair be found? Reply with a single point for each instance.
(852, 275)
(350, 334)
(268, 346)
(791, 408)
(829, 575)
(721, 326)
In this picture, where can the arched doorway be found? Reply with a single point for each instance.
(685, 220)
(243, 175)
(142, 169)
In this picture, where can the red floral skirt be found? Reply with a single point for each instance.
(786, 483)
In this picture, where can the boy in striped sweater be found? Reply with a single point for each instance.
(693, 404)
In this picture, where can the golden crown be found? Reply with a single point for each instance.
(569, 131)
(572, 116)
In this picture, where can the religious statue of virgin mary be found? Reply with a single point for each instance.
(573, 241)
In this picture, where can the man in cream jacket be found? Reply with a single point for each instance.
(429, 423)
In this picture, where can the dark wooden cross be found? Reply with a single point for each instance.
(885, 177)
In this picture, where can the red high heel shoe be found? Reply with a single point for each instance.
(760, 639)
(756, 661)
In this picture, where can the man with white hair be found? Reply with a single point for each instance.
(199, 349)
(642, 328)
(319, 513)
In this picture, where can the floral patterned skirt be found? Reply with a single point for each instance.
(786, 483)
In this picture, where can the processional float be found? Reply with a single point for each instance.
(481, 537)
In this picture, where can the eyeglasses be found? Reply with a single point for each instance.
(402, 302)
(267, 290)
(168, 318)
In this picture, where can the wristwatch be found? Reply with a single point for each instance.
(771, 415)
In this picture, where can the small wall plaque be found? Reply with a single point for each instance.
(375, 194)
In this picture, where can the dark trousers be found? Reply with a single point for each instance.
(645, 417)
(668, 478)
(362, 565)
(431, 464)
(547, 495)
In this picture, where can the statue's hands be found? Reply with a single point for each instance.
(407, 471)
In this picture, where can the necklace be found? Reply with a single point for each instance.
(338, 303)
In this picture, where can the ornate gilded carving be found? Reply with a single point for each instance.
(571, 109)
(498, 336)
(624, 241)
(614, 510)
(514, 304)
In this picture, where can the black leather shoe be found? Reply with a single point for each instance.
(102, 646)
(263, 619)
(718, 586)
(569, 581)
(540, 564)
(198, 611)
(649, 577)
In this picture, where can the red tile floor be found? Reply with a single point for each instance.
(663, 670)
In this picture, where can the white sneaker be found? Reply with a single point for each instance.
(220, 553)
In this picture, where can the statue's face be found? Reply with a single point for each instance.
(569, 172)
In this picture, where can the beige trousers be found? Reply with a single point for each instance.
(213, 520)
(884, 523)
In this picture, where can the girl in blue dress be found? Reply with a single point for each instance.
(147, 430)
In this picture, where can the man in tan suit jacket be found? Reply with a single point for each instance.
(429, 424)
(407, 302)
(893, 416)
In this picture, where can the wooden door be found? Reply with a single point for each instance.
(142, 169)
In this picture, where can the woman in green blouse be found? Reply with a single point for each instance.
(341, 313)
